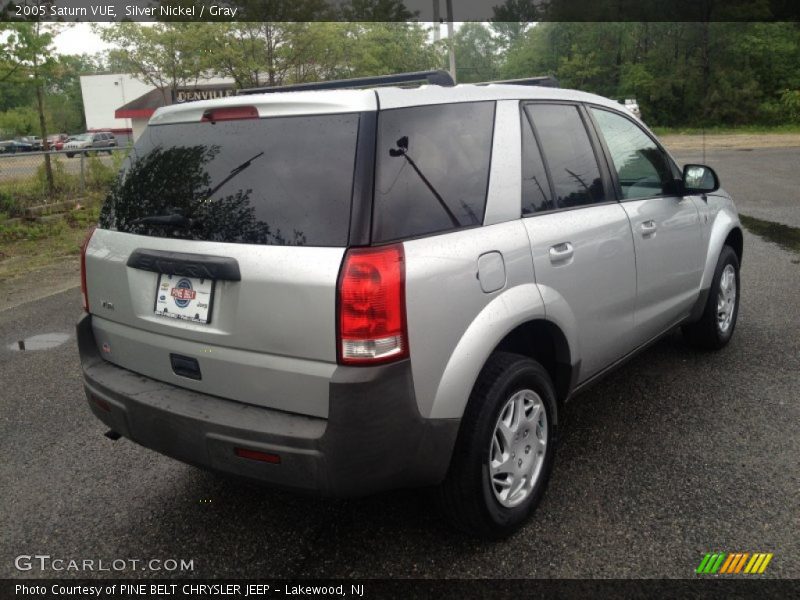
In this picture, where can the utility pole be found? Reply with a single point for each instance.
(450, 38)
(437, 22)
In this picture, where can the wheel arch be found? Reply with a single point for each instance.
(545, 342)
(514, 321)
(735, 240)
(726, 230)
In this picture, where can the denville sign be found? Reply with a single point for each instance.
(190, 95)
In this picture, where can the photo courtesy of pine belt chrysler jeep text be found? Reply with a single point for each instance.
(353, 290)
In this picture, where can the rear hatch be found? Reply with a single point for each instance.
(215, 263)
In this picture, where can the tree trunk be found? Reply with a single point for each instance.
(48, 169)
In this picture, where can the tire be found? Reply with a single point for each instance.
(715, 328)
(470, 500)
(70, 155)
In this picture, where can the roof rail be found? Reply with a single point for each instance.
(544, 81)
(431, 77)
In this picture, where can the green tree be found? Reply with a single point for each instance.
(512, 19)
(693, 73)
(165, 55)
(27, 58)
(477, 57)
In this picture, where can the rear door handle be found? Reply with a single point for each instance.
(648, 227)
(561, 252)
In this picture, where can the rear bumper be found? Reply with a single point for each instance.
(373, 439)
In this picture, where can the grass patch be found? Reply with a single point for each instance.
(783, 235)
(26, 247)
(21, 192)
(721, 130)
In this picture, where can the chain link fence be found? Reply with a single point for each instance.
(24, 185)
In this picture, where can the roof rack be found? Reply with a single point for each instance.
(544, 81)
(431, 77)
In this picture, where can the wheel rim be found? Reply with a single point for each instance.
(518, 448)
(726, 298)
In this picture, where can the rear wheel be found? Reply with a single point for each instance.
(715, 328)
(505, 449)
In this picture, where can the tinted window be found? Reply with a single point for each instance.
(432, 168)
(642, 168)
(536, 194)
(283, 181)
(569, 155)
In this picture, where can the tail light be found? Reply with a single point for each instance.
(372, 306)
(84, 290)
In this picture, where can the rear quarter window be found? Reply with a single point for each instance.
(274, 180)
(432, 169)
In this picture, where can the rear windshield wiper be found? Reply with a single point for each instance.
(173, 220)
(176, 219)
(234, 172)
(402, 150)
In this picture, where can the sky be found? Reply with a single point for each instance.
(79, 39)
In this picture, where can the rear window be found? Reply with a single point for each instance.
(432, 169)
(278, 181)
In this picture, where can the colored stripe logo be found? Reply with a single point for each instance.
(734, 563)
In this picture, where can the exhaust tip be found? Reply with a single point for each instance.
(112, 435)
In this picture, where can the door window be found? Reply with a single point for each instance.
(536, 193)
(643, 169)
(568, 154)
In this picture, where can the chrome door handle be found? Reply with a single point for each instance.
(648, 227)
(560, 252)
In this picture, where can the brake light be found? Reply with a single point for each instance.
(84, 289)
(372, 306)
(230, 113)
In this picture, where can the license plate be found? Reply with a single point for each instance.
(187, 298)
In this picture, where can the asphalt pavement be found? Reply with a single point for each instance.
(765, 182)
(676, 454)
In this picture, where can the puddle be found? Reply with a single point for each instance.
(45, 341)
(785, 236)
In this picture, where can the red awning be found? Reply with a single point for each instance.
(144, 106)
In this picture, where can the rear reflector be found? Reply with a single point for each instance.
(84, 289)
(230, 113)
(101, 404)
(372, 307)
(273, 459)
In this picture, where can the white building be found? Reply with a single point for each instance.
(104, 94)
(124, 104)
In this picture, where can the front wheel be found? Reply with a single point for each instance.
(715, 328)
(505, 448)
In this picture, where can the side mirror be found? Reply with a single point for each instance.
(699, 179)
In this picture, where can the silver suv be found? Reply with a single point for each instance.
(350, 291)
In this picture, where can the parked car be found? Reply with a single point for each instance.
(33, 141)
(14, 146)
(96, 141)
(349, 291)
(56, 141)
